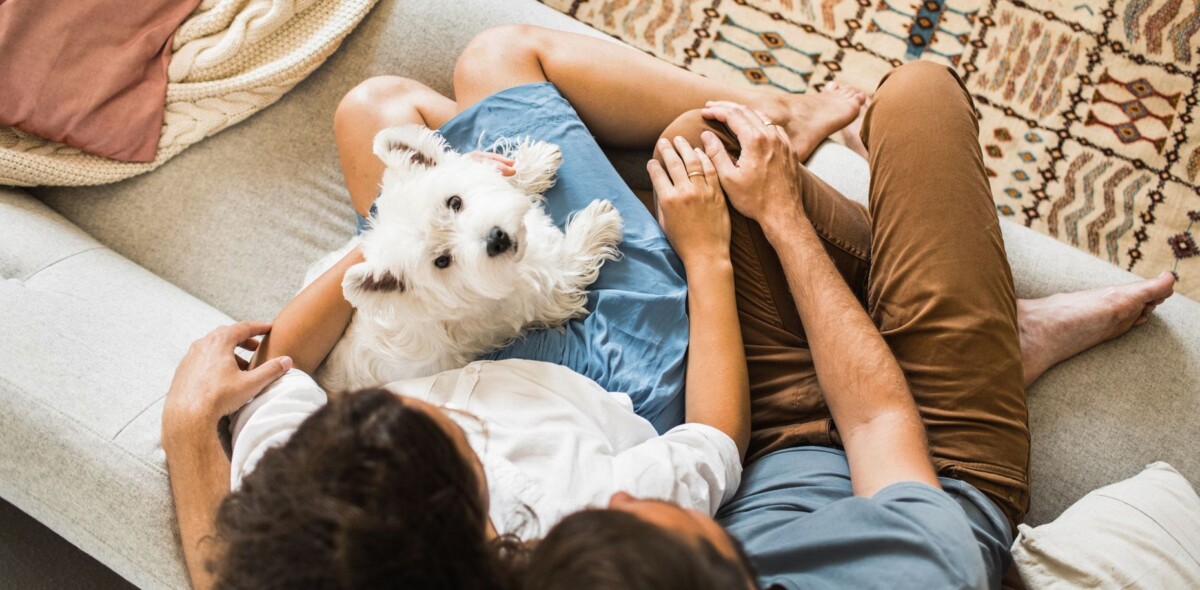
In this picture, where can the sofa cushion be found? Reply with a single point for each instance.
(1143, 532)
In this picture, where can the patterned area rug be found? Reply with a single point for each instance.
(1088, 107)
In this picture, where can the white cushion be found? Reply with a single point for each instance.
(1143, 532)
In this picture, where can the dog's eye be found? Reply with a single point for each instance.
(442, 261)
(454, 203)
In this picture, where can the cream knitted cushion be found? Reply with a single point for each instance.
(231, 58)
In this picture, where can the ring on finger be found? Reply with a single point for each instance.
(691, 174)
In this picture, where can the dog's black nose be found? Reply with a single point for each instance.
(498, 242)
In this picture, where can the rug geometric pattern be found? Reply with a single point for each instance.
(1087, 107)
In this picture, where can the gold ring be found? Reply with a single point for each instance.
(691, 174)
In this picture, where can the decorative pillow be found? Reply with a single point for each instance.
(1143, 532)
(89, 73)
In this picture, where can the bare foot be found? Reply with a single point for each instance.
(811, 117)
(1056, 328)
(852, 134)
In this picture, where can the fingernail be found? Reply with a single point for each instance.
(286, 363)
(707, 135)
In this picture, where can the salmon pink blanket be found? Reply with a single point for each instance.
(91, 74)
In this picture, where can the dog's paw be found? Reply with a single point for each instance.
(536, 163)
(592, 237)
(605, 227)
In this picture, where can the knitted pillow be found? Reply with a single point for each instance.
(91, 74)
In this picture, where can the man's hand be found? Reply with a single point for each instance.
(212, 382)
(764, 181)
(692, 209)
(504, 165)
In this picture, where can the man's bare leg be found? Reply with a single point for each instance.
(1056, 328)
(626, 97)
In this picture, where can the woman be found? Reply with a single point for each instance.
(515, 64)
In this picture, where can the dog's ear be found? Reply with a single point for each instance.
(410, 147)
(359, 281)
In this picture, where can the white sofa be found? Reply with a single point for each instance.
(104, 288)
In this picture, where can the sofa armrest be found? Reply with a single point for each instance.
(90, 342)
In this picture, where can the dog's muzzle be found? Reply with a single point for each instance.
(498, 242)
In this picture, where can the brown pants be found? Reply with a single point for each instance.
(927, 261)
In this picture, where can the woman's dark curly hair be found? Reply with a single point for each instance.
(369, 492)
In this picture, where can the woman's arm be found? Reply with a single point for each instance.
(695, 218)
(860, 378)
(311, 323)
(207, 386)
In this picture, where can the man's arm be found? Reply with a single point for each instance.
(208, 385)
(863, 384)
(199, 474)
(860, 378)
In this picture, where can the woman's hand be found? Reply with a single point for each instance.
(504, 165)
(691, 206)
(764, 180)
(212, 382)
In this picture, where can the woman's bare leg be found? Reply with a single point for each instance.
(377, 103)
(626, 97)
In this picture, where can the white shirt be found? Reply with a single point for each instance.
(557, 442)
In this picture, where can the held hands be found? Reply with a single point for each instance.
(212, 382)
(764, 180)
(692, 209)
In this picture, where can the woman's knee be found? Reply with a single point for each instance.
(379, 99)
(499, 57)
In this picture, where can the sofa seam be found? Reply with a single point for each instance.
(64, 258)
(136, 416)
(83, 426)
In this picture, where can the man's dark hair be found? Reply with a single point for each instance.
(615, 550)
(368, 493)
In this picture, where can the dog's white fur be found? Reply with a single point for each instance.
(414, 319)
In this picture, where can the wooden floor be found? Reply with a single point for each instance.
(32, 557)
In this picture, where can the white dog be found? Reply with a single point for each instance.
(460, 260)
